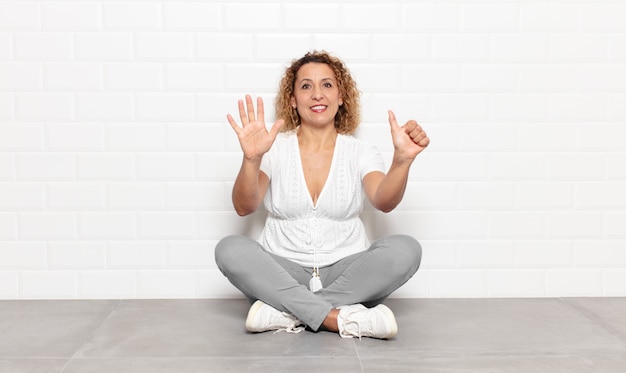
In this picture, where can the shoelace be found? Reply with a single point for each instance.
(293, 328)
(347, 322)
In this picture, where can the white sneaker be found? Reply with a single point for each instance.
(358, 321)
(263, 317)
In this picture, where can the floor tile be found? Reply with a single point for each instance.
(200, 328)
(490, 326)
(48, 329)
(609, 312)
(287, 364)
(32, 365)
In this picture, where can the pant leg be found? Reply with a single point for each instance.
(276, 281)
(371, 276)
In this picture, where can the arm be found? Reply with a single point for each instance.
(385, 191)
(251, 184)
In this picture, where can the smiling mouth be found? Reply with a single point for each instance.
(318, 108)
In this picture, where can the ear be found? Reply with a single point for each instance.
(292, 102)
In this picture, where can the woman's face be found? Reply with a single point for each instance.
(316, 95)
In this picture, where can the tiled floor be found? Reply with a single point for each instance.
(436, 335)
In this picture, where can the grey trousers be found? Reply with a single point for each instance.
(368, 277)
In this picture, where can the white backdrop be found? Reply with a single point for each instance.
(116, 160)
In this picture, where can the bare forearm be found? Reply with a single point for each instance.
(246, 192)
(391, 189)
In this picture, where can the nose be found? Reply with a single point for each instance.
(316, 94)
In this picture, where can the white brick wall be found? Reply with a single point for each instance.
(116, 162)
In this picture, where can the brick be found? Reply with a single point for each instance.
(9, 285)
(217, 225)
(430, 78)
(467, 108)
(6, 46)
(107, 166)
(21, 76)
(600, 195)
(368, 75)
(393, 47)
(603, 17)
(74, 137)
(195, 196)
(543, 253)
(136, 196)
(47, 226)
(107, 225)
(20, 15)
(101, 46)
(170, 225)
(164, 46)
(107, 284)
(548, 78)
(485, 254)
(579, 47)
(22, 137)
(431, 17)
(194, 16)
(48, 285)
(516, 225)
(7, 167)
(520, 47)
(515, 283)
(526, 166)
(282, 47)
(73, 76)
(22, 196)
(7, 107)
(195, 254)
(545, 195)
(574, 224)
(456, 47)
(371, 16)
(489, 78)
(219, 46)
(575, 166)
(209, 138)
(80, 255)
(23, 255)
(46, 166)
(165, 166)
(75, 196)
(165, 107)
(51, 107)
(615, 169)
(246, 78)
(458, 166)
(131, 15)
(614, 224)
(600, 137)
(482, 195)
(518, 107)
(429, 196)
(329, 22)
(347, 46)
(603, 254)
(550, 17)
(495, 137)
(251, 16)
(573, 282)
(457, 283)
(616, 52)
(71, 16)
(554, 137)
(616, 108)
(163, 284)
(217, 166)
(602, 78)
(194, 77)
(43, 46)
(104, 106)
(136, 255)
(614, 280)
(491, 17)
(135, 137)
(133, 76)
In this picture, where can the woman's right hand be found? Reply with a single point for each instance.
(254, 138)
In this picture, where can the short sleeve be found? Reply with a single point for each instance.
(266, 165)
(371, 160)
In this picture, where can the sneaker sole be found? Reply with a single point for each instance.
(251, 314)
(392, 319)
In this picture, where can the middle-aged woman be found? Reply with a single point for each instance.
(313, 265)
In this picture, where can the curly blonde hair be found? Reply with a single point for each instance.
(348, 116)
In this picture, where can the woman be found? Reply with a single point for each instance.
(313, 264)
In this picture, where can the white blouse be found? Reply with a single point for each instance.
(321, 234)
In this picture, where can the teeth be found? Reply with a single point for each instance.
(321, 107)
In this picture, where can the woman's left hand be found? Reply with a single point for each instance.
(408, 140)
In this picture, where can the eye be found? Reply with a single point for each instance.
(328, 85)
(306, 86)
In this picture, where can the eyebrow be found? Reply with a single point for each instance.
(310, 80)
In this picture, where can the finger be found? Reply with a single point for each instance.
(260, 109)
(233, 124)
(276, 128)
(424, 142)
(242, 113)
(392, 119)
(410, 126)
(250, 106)
(416, 131)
